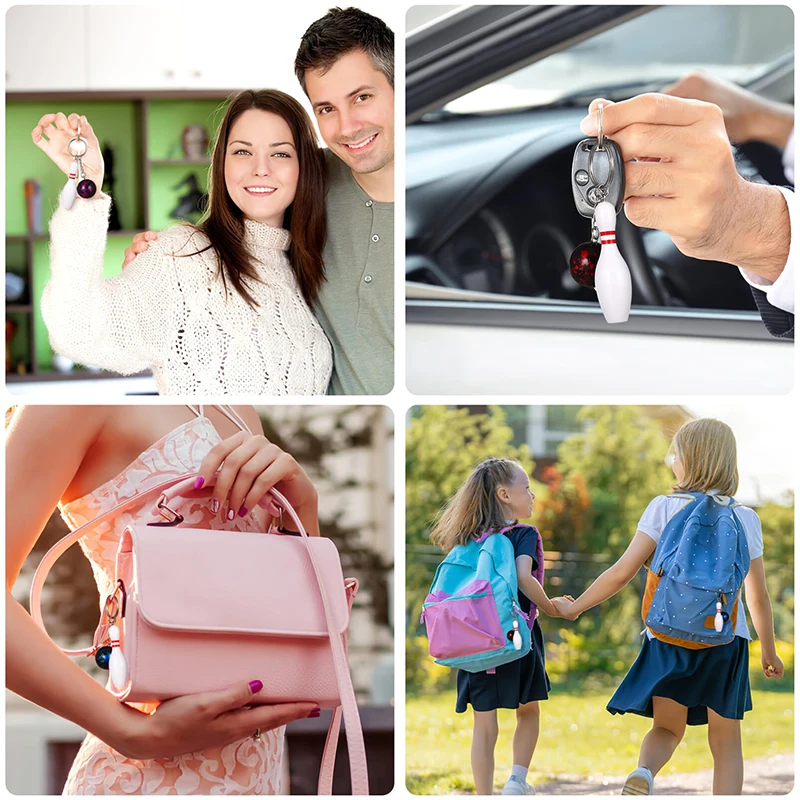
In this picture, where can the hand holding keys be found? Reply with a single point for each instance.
(598, 184)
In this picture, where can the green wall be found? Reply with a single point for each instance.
(118, 123)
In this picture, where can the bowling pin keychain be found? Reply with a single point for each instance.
(598, 183)
(84, 187)
(109, 655)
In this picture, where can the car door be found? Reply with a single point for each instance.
(462, 340)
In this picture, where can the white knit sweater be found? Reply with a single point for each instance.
(171, 314)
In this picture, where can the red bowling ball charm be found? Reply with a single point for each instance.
(583, 263)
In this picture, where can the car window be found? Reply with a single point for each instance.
(733, 42)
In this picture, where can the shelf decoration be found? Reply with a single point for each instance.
(33, 205)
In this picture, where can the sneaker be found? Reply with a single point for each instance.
(640, 781)
(515, 785)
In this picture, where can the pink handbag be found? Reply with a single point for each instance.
(199, 610)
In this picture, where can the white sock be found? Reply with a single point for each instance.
(519, 772)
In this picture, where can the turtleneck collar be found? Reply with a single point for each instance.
(260, 237)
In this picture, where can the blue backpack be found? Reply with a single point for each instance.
(696, 573)
(471, 615)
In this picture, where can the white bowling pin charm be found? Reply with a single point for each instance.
(517, 637)
(117, 665)
(718, 621)
(70, 190)
(612, 279)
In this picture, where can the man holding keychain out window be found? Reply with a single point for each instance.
(684, 182)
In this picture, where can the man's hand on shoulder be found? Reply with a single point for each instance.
(140, 243)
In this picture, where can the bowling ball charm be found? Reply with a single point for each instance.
(102, 657)
(583, 263)
(87, 189)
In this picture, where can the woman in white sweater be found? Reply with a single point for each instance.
(223, 307)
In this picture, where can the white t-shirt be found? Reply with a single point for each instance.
(664, 507)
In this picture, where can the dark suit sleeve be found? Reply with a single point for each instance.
(778, 322)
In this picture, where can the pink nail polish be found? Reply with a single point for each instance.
(231, 515)
(198, 484)
(242, 511)
(314, 713)
(256, 686)
(214, 505)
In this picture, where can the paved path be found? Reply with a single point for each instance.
(767, 775)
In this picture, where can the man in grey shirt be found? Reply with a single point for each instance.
(345, 65)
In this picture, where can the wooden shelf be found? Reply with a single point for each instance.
(144, 94)
(147, 126)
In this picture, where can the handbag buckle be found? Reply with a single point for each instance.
(169, 515)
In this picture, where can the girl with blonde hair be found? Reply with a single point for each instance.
(493, 499)
(674, 685)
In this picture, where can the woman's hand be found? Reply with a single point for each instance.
(249, 466)
(53, 134)
(197, 722)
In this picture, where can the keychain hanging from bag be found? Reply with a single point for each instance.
(85, 187)
(598, 184)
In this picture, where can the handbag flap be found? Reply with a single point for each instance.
(232, 581)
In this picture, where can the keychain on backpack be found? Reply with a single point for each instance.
(517, 637)
(85, 187)
(598, 183)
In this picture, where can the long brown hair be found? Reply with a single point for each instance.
(223, 222)
(475, 508)
(707, 450)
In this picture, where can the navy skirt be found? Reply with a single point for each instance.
(512, 685)
(715, 677)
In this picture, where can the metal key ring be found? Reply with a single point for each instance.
(80, 150)
(590, 166)
(599, 127)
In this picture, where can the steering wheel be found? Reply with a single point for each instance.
(646, 288)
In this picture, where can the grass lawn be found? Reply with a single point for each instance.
(578, 737)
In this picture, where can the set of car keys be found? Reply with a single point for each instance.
(598, 187)
(85, 187)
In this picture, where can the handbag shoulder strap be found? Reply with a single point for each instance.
(227, 411)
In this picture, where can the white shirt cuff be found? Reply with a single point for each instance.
(788, 158)
(780, 293)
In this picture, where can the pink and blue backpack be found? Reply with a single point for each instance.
(472, 613)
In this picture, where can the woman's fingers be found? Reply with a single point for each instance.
(247, 446)
(269, 466)
(62, 123)
(245, 722)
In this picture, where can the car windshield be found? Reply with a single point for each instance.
(734, 42)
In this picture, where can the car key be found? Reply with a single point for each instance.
(598, 184)
(598, 175)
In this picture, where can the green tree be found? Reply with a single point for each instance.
(777, 526)
(619, 457)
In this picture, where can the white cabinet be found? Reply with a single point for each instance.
(45, 48)
(170, 46)
(134, 47)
